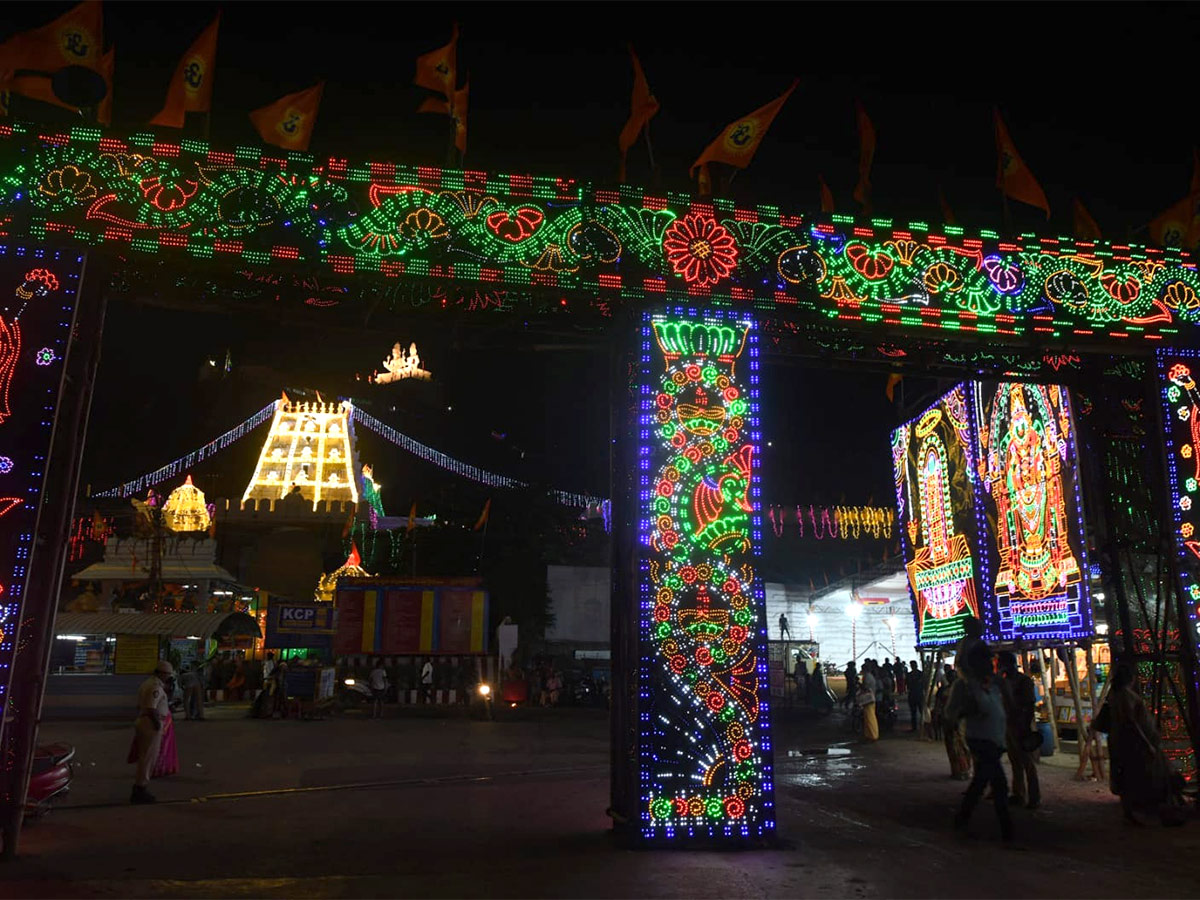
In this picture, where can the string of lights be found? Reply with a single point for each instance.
(182, 464)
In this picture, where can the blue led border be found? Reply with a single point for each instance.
(904, 513)
(994, 629)
(654, 673)
(26, 434)
(1181, 497)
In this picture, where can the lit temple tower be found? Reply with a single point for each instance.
(310, 446)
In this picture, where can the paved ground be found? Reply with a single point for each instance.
(451, 806)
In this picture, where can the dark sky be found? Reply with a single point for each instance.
(1097, 98)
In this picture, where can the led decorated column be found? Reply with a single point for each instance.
(704, 754)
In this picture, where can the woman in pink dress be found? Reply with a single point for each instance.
(168, 754)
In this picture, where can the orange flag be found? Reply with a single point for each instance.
(1173, 226)
(736, 145)
(890, 390)
(826, 196)
(412, 518)
(866, 156)
(483, 516)
(191, 85)
(1086, 228)
(436, 70)
(104, 110)
(642, 107)
(288, 122)
(947, 212)
(75, 38)
(456, 110)
(1013, 177)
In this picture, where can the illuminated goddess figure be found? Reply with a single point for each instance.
(1024, 474)
(942, 570)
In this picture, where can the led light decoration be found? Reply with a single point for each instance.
(305, 434)
(506, 235)
(706, 767)
(42, 286)
(1177, 370)
(185, 509)
(933, 464)
(1031, 512)
(992, 525)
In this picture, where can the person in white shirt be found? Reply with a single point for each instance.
(152, 710)
(427, 681)
(378, 682)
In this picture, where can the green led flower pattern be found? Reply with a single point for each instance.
(514, 233)
(703, 598)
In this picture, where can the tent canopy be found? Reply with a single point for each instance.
(200, 625)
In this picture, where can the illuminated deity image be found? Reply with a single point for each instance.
(927, 456)
(1024, 453)
(701, 592)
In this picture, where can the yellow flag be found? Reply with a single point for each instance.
(437, 69)
(289, 121)
(191, 85)
(736, 145)
(642, 107)
(1012, 175)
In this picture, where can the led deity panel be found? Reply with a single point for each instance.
(705, 767)
(933, 464)
(1031, 513)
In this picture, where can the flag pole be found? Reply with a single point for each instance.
(482, 542)
(650, 147)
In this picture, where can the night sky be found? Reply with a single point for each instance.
(1097, 99)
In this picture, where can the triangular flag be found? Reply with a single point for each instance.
(436, 70)
(104, 110)
(642, 107)
(1086, 228)
(947, 212)
(412, 517)
(736, 145)
(191, 85)
(826, 196)
(866, 156)
(483, 516)
(1013, 177)
(458, 109)
(354, 560)
(893, 380)
(1171, 227)
(289, 121)
(76, 38)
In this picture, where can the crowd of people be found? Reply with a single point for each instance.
(983, 707)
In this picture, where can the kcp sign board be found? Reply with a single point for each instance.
(304, 618)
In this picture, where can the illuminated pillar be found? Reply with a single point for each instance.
(705, 767)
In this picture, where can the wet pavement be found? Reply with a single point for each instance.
(459, 807)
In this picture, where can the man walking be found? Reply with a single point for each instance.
(1020, 698)
(193, 692)
(378, 682)
(851, 684)
(153, 710)
(976, 698)
(427, 681)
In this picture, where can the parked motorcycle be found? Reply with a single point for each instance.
(353, 693)
(50, 780)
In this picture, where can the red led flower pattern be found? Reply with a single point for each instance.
(700, 249)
